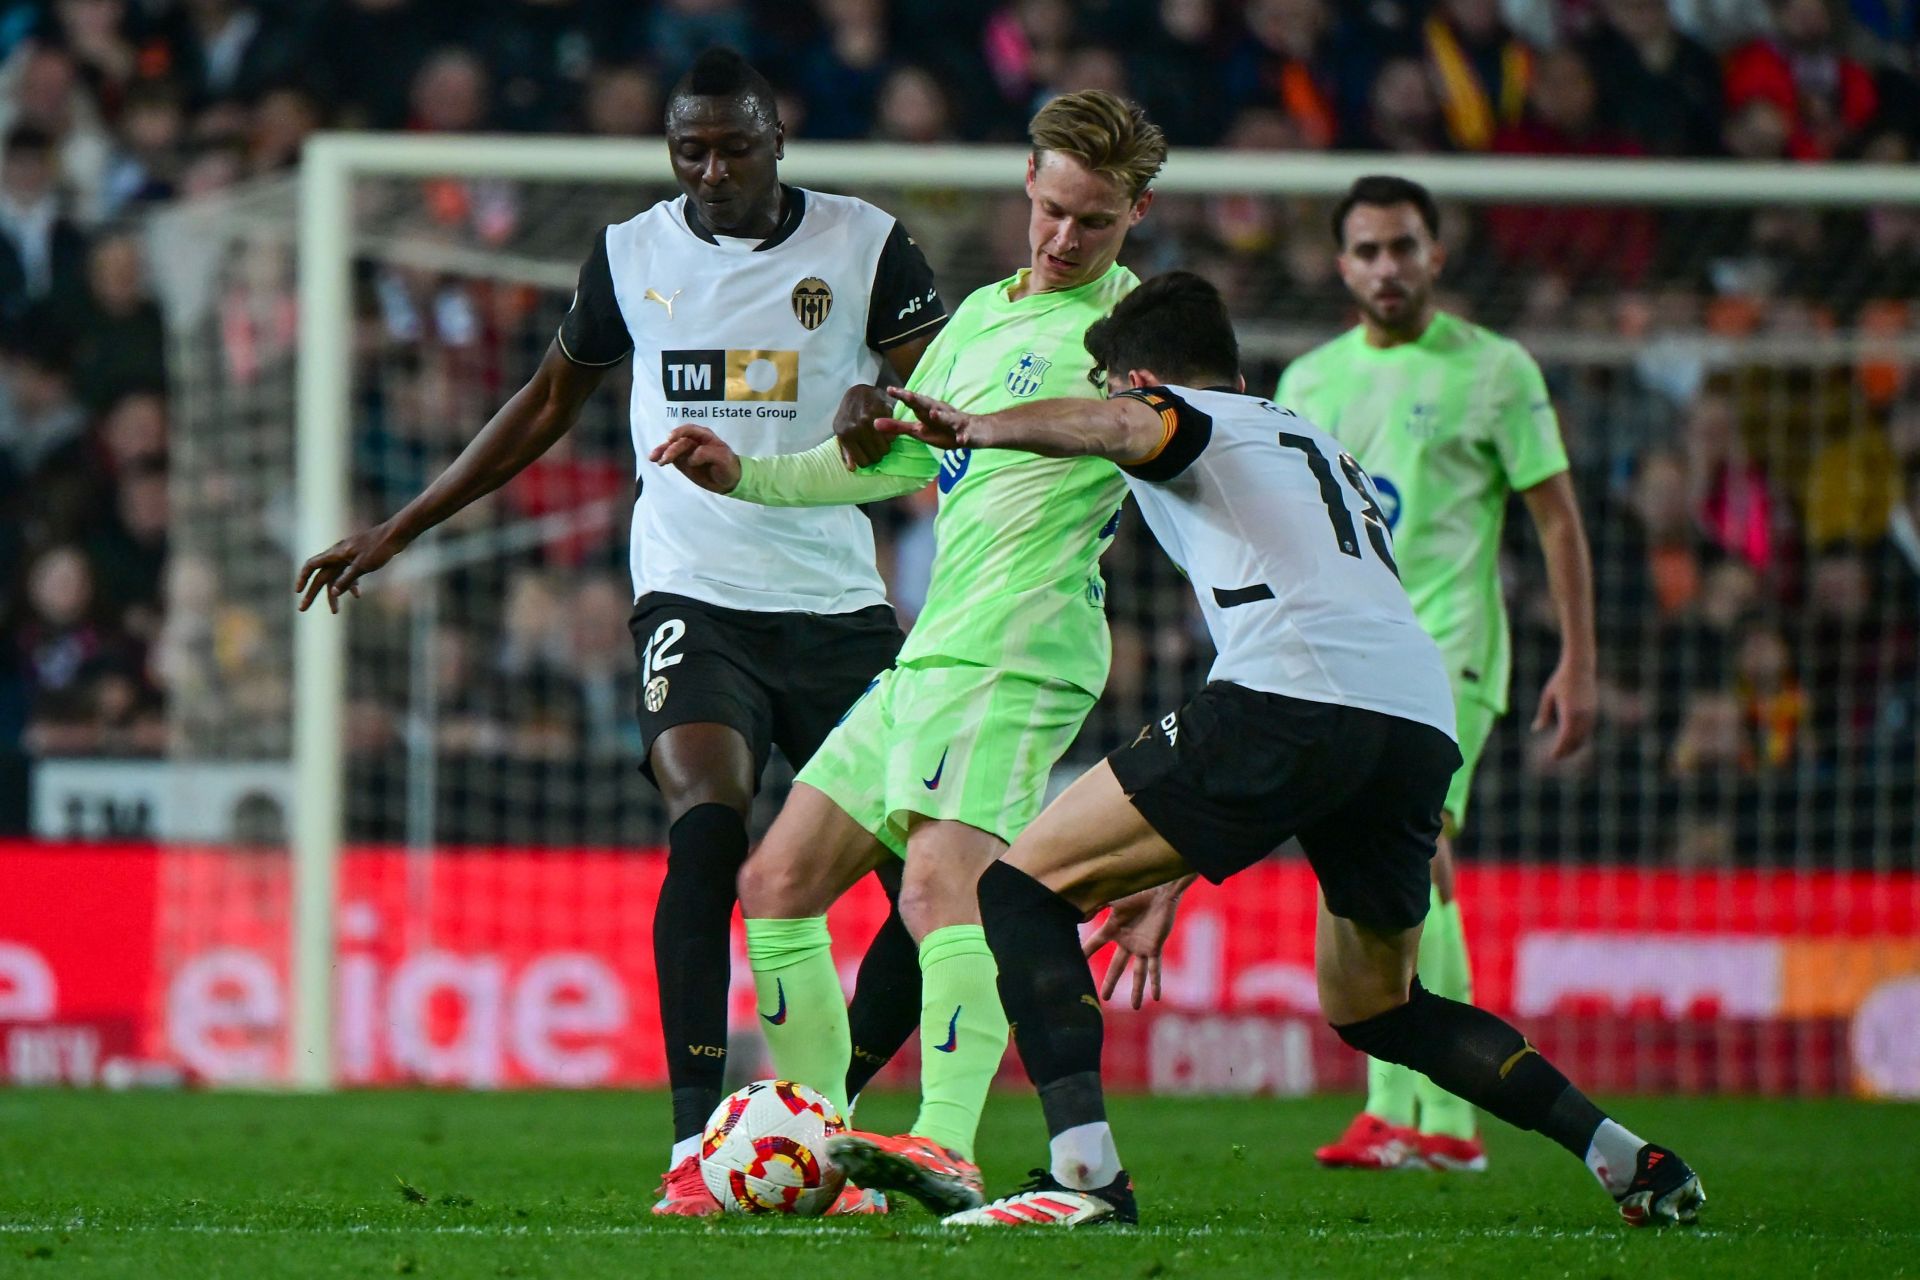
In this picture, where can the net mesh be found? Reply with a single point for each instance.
(1737, 390)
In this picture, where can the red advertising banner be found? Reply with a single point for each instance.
(503, 967)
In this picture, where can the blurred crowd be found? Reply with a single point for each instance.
(1753, 495)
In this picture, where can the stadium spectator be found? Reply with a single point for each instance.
(1657, 84)
(1291, 61)
(1734, 502)
(677, 30)
(281, 121)
(450, 93)
(1773, 702)
(373, 92)
(913, 108)
(228, 49)
(40, 88)
(1403, 113)
(841, 73)
(1826, 97)
(1025, 45)
(118, 336)
(43, 435)
(622, 100)
(1481, 70)
(127, 550)
(1581, 246)
(538, 53)
(147, 156)
(42, 253)
(1178, 51)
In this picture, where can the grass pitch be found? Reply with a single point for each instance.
(492, 1185)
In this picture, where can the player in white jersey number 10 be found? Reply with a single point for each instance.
(1327, 717)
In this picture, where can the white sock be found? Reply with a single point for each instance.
(1612, 1155)
(1084, 1156)
(684, 1148)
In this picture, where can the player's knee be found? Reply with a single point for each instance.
(946, 896)
(776, 887)
(1378, 1032)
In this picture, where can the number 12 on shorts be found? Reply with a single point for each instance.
(658, 656)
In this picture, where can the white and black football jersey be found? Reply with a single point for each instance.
(1281, 534)
(756, 340)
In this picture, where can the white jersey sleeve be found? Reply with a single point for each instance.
(1280, 533)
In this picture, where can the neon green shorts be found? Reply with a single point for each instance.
(1473, 720)
(948, 740)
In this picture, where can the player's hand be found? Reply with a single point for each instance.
(1567, 705)
(340, 567)
(939, 423)
(861, 443)
(701, 457)
(1138, 927)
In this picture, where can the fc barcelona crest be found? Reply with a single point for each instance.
(812, 300)
(1028, 372)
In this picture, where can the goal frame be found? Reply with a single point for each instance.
(332, 162)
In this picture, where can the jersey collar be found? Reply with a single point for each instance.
(794, 208)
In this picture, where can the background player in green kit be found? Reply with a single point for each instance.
(1450, 420)
(945, 759)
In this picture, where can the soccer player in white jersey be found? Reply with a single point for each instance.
(1327, 716)
(750, 307)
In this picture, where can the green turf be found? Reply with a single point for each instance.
(444, 1184)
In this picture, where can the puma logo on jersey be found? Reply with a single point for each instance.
(653, 295)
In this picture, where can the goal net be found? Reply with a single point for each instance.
(1718, 894)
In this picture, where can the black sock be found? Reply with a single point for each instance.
(690, 955)
(1048, 993)
(1474, 1055)
(886, 996)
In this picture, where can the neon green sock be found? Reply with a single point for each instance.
(963, 1034)
(1390, 1092)
(1443, 954)
(804, 1017)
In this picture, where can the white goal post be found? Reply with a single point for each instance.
(332, 163)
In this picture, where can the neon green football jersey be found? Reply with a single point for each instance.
(1016, 569)
(1448, 427)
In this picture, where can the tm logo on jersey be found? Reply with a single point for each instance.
(1028, 372)
(730, 375)
(953, 465)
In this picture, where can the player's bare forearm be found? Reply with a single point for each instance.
(1060, 428)
(523, 429)
(861, 443)
(1571, 695)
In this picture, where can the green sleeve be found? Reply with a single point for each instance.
(818, 478)
(1526, 432)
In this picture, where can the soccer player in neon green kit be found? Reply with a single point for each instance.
(1449, 419)
(945, 759)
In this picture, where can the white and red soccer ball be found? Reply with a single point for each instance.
(765, 1150)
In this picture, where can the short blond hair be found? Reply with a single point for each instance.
(1109, 135)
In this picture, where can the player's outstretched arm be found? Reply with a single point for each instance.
(1121, 429)
(524, 428)
(816, 478)
(1569, 698)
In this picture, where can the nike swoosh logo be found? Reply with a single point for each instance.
(933, 783)
(778, 1016)
(953, 1032)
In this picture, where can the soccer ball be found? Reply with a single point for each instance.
(765, 1150)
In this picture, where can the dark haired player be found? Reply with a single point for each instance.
(1450, 420)
(748, 306)
(1327, 716)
